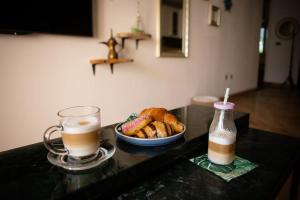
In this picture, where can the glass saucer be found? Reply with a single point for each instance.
(104, 152)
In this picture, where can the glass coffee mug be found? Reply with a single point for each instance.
(80, 130)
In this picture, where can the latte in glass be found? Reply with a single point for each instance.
(221, 147)
(81, 135)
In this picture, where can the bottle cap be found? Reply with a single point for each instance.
(220, 105)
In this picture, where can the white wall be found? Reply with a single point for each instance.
(278, 57)
(41, 74)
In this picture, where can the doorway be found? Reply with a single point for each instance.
(262, 43)
(298, 82)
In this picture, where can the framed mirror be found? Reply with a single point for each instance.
(173, 28)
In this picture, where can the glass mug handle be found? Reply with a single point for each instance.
(49, 145)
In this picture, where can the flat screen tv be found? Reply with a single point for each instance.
(70, 17)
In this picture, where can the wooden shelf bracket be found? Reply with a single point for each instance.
(111, 62)
(133, 36)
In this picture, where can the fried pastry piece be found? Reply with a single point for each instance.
(168, 129)
(156, 113)
(141, 134)
(173, 122)
(150, 130)
(131, 127)
(161, 130)
(154, 130)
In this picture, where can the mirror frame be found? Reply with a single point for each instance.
(185, 32)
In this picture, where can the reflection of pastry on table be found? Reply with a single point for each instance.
(153, 123)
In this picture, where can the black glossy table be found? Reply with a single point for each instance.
(156, 172)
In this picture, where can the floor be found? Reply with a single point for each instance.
(272, 109)
(276, 110)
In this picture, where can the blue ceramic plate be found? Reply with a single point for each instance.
(147, 141)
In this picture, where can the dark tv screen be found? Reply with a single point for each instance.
(70, 17)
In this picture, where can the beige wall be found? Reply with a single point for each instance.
(278, 57)
(41, 73)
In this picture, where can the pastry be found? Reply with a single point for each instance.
(153, 123)
(141, 134)
(150, 131)
(169, 129)
(161, 114)
(173, 122)
(131, 127)
(156, 113)
(161, 130)
(155, 129)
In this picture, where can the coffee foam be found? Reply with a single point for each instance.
(80, 125)
(222, 137)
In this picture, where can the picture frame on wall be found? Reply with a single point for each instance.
(214, 15)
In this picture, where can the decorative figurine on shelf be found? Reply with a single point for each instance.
(111, 44)
(112, 56)
(112, 53)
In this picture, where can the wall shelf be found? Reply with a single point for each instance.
(111, 62)
(134, 36)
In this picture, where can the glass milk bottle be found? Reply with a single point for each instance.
(222, 135)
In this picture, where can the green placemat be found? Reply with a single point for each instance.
(237, 168)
